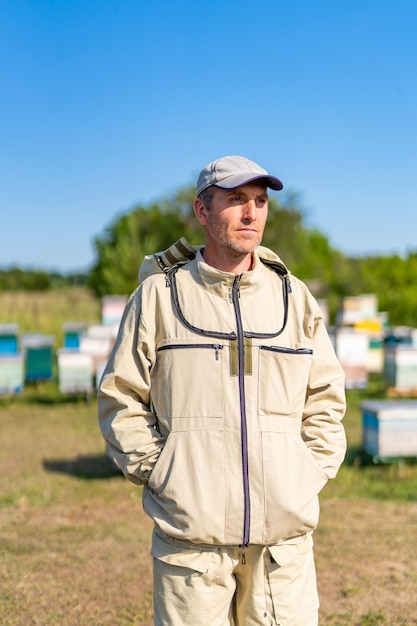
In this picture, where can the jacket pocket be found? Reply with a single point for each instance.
(292, 482)
(283, 379)
(187, 380)
(183, 504)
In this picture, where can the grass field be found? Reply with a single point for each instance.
(75, 542)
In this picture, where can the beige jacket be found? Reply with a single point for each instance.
(224, 398)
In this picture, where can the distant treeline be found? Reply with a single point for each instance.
(17, 279)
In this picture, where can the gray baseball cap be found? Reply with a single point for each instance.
(230, 172)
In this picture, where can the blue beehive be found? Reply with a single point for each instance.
(11, 361)
(72, 335)
(9, 339)
(38, 351)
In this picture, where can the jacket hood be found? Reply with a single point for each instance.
(182, 251)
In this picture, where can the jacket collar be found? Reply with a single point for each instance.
(220, 282)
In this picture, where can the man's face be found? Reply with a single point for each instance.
(236, 220)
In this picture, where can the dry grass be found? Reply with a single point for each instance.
(75, 542)
(367, 563)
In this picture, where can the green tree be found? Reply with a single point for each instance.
(306, 251)
(394, 279)
(143, 230)
(17, 279)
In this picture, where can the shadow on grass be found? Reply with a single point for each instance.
(90, 467)
(45, 399)
(357, 457)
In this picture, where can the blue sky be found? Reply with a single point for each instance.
(105, 105)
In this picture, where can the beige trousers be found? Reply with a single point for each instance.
(218, 586)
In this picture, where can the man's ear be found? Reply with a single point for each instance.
(200, 211)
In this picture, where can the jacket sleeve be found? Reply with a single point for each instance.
(322, 428)
(126, 418)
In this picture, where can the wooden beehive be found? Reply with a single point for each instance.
(9, 343)
(39, 356)
(389, 428)
(75, 372)
(11, 373)
(98, 342)
(400, 367)
(112, 308)
(352, 350)
(72, 334)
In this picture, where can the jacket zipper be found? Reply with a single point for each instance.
(171, 282)
(213, 346)
(235, 295)
(285, 350)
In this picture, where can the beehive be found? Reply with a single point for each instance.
(98, 342)
(112, 308)
(389, 428)
(72, 335)
(400, 367)
(39, 357)
(352, 350)
(75, 372)
(9, 339)
(11, 373)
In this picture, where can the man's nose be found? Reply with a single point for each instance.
(249, 212)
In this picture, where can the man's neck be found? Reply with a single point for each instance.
(232, 265)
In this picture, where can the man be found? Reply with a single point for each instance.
(224, 398)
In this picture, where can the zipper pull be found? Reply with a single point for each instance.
(169, 272)
(167, 278)
(235, 288)
(243, 555)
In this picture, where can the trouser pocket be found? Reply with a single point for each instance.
(291, 585)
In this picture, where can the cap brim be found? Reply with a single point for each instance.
(237, 180)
